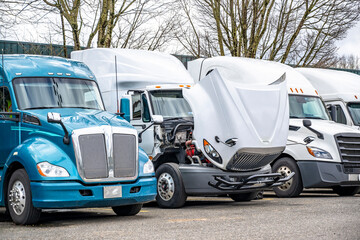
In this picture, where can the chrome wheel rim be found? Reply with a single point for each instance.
(166, 186)
(17, 197)
(285, 171)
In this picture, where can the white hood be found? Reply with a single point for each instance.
(257, 116)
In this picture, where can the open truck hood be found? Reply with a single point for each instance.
(256, 116)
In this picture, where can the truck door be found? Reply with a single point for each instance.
(141, 118)
(9, 126)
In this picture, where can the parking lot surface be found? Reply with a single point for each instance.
(314, 215)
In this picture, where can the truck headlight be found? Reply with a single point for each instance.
(210, 150)
(148, 167)
(48, 170)
(318, 153)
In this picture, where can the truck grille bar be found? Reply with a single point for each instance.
(106, 153)
(243, 161)
(349, 149)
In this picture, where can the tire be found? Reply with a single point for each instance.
(346, 191)
(243, 197)
(170, 186)
(19, 199)
(128, 210)
(294, 186)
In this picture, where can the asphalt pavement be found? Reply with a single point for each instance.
(313, 215)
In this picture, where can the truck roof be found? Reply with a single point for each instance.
(252, 72)
(136, 69)
(42, 66)
(334, 84)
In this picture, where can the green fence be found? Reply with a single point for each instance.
(15, 47)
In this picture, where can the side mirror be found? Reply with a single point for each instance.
(157, 119)
(125, 104)
(332, 110)
(53, 117)
(307, 123)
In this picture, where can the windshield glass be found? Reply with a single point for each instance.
(40, 93)
(307, 107)
(354, 109)
(170, 104)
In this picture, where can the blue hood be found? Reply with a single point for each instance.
(77, 118)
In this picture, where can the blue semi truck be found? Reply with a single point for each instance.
(59, 148)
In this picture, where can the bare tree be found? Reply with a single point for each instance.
(346, 61)
(300, 32)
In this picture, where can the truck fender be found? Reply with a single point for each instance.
(36, 150)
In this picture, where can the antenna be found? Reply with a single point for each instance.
(3, 80)
(117, 92)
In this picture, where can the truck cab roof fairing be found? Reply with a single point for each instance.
(135, 68)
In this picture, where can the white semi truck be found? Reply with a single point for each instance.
(320, 152)
(340, 91)
(206, 139)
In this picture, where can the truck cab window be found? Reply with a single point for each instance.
(5, 100)
(354, 110)
(136, 102)
(146, 112)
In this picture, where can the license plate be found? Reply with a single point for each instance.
(354, 177)
(113, 192)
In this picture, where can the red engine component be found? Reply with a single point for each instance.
(190, 148)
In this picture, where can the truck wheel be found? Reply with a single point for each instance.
(128, 210)
(294, 186)
(19, 199)
(170, 187)
(243, 197)
(346, 191)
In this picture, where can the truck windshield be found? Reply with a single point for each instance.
(170, 104)
(41, 93)
(354, 109)
(307, 107)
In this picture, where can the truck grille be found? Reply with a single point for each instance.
(124, 155)
(250, 161)
(349, 149)
(93, 154)
(106, 154)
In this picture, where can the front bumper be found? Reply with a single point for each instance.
(326, 174)
(202, 181)
(59, 194)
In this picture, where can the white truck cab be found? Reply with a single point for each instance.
(320, 152)
(340, 91)
(201, 139)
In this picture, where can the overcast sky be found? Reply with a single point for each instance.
(351, 44)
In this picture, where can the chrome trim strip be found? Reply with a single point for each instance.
(108, 132)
